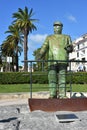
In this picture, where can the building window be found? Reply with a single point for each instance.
(77, 54)
(83, 59)
(78, 47)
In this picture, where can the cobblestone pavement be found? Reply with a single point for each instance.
(18, 117)
(15, 115)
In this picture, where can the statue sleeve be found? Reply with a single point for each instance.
(69, 47)
(44, 48)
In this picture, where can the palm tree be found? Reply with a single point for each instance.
(8, 50)
(12, 42)
(23, 19)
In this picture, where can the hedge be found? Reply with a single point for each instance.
(39, 77)
(14, 78)
(22, 77)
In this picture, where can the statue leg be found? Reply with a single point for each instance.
(62, 80)
(52, 77)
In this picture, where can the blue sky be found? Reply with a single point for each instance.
(72, 13)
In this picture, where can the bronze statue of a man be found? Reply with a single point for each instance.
(58, 47)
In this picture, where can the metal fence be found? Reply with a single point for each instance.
(73, 66)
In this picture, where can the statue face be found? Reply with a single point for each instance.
(57, 29)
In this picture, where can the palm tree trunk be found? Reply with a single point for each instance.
(17, 68)
(13, 63)
(25, 53)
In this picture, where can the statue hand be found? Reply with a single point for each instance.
(69, 48)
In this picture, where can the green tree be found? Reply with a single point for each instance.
(23, 19)
(11, 46)
(8, 50)
(39, 64)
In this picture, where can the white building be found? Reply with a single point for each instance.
(79, 53)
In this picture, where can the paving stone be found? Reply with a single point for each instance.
(15, 115)
(18, 117)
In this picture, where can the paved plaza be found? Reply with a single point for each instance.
(15, 115)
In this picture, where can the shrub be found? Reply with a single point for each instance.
(14, 78)
(39, 77)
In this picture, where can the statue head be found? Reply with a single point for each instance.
(57, 27)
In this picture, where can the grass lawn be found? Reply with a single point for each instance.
(12, 88)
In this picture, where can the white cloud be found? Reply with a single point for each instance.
(38, 38)
(35, 41)
(72, 18)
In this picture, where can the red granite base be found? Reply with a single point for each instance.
(51, 105)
